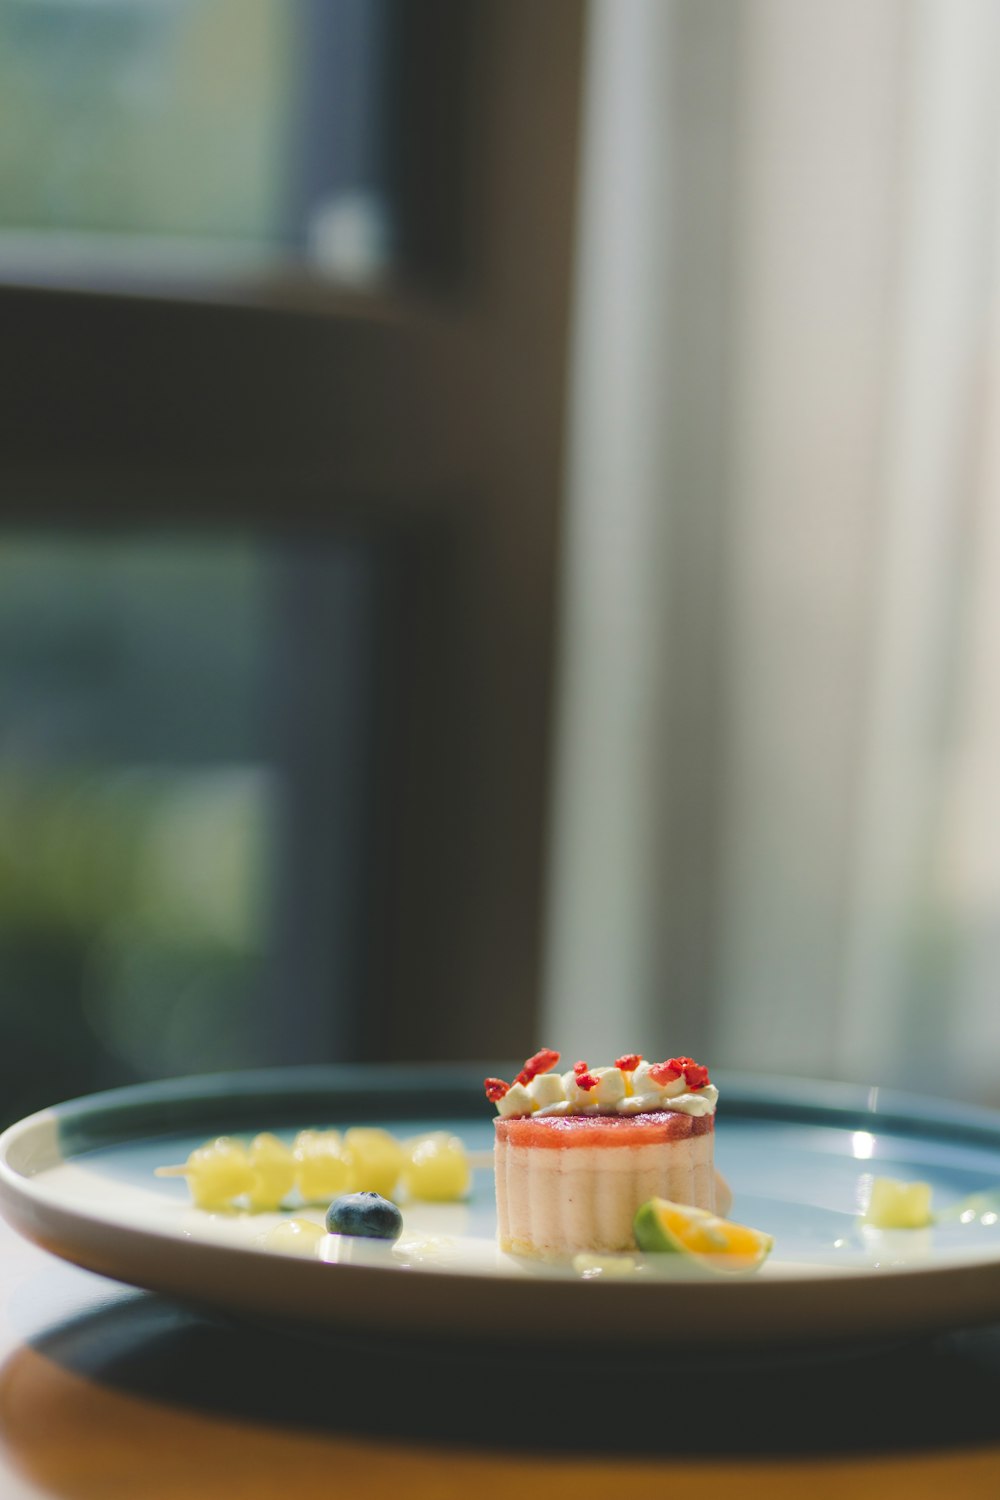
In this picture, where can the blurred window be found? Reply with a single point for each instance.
(232, 137)
(150, 787)
(284, 292)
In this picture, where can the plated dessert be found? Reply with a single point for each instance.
(588, 1164)
(577, 1153)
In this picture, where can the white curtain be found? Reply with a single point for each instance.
(776, 785)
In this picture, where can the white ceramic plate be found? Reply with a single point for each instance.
(78, 1180)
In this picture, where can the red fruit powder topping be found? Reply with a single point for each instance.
(580, 1067)
(695, 1076)
(540, 1063)
(586, 1081)
(664, 1073)
(495, 1089)
(629, 1062)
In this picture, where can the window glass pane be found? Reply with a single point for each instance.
(152, 786)
(193, 133)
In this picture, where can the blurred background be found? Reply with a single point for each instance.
(499, 536)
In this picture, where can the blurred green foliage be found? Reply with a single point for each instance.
(137, 811)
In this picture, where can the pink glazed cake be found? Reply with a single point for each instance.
(577, 1153)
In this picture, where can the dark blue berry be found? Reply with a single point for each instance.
(368, 1215)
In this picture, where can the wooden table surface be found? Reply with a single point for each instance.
(106, 1393)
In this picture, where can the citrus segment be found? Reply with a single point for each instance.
(676, 1228)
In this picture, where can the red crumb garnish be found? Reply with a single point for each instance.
(695, 1076)
(580, 1067)
(540, 1063)
(495, 1089)
(629, 1062)
(586, 1081)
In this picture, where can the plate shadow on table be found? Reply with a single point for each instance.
(535, 1396)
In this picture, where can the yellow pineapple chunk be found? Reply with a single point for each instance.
(899, 1205)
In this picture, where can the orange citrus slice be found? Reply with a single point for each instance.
(714, 1243)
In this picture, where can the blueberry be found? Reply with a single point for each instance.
(368, 1215)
